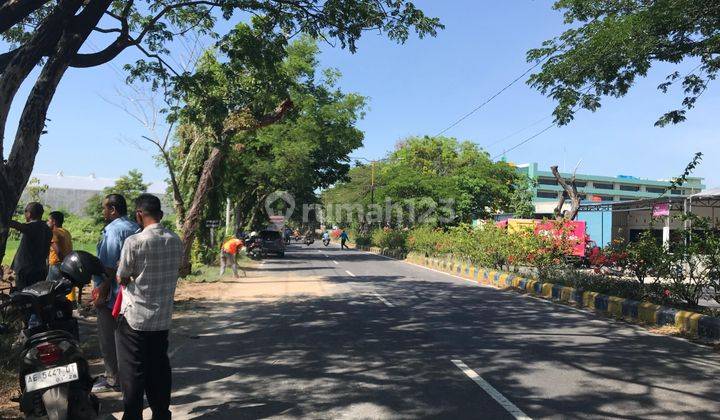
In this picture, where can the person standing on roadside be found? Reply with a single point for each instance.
(61, 243)
(148, 270)
(343, 239)
(119, 227)
(228, 255)
(31, 259)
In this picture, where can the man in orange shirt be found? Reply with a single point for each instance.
(61, 243)
(228, 255)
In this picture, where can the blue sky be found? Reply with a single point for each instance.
(420, 88)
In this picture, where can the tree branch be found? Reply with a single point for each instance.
(102, 56)
(571, 191)
(239, 120)
(13, 12)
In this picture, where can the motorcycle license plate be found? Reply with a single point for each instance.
(51, 377)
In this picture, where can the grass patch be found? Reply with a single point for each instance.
(211, 273)
(12, 247)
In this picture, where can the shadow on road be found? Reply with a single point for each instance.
(351, 355)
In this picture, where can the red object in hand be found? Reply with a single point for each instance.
(118, 303)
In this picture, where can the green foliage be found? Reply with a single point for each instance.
(83, 229)
(130, 186)
(521, 199)
(431, 180)
(390, 238)
(308, 149)
(35, 190)
(612, 42)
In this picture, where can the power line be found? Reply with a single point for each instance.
(498, 141)
(527, 140)
(498, 93)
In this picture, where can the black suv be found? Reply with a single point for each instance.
(272, 242)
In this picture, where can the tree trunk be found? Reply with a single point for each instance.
(63, 33)
(192, 218)
(572, 193)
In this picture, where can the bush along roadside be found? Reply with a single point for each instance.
(693, 324)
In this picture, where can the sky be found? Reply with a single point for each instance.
(420, 88)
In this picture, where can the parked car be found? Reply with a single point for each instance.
(272, 242)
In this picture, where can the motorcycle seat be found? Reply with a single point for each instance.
(50, 336)
(42, 289)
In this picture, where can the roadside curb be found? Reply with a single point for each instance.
(691, 323)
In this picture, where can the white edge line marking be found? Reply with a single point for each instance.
(351, 274)
(428, 268)
(336, 263)
(491, 391)
(637, 328)
(383, 300)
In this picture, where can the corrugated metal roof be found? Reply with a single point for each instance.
(88, 182)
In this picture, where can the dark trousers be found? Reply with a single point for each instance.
(342, 244)
(143, 368)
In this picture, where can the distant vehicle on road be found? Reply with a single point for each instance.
(272, 242)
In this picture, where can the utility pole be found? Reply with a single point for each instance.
(227, 217)
(372, 183)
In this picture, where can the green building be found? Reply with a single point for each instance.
(595, 188)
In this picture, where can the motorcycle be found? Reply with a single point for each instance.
(53, 373)
(309, 240)
(254, 250)
(326, 241)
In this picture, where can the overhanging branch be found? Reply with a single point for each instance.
(13, 12)
(239, 120)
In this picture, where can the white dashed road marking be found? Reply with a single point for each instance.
(383, 300)
(350, 274)
(491, 391)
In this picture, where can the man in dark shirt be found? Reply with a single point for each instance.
(31, 260)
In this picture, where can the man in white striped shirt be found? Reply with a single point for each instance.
(148, 269)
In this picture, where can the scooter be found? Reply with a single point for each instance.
(309, 240)
(326, 241)
(54, 376)
(254, 250)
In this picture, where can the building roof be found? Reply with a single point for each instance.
(693, 182)
(88, 182)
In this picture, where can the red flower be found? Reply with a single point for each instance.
(667, 293)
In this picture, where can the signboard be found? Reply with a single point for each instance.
(212, 223)
(574, 232)
(277, 223)
(661, 210)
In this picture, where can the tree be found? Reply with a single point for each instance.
(612, 42)
(569, 191)
(35, 190)
(304, 151)
(435, 180)
(307, 150)
(129, 186)
(50, 34)
(521, 200)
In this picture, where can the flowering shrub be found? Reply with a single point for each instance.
(390, 238)
(640, 270)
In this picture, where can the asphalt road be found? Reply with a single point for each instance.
(388, 339)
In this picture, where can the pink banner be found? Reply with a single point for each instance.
(661, 209)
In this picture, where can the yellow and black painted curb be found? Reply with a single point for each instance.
(691, 323)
